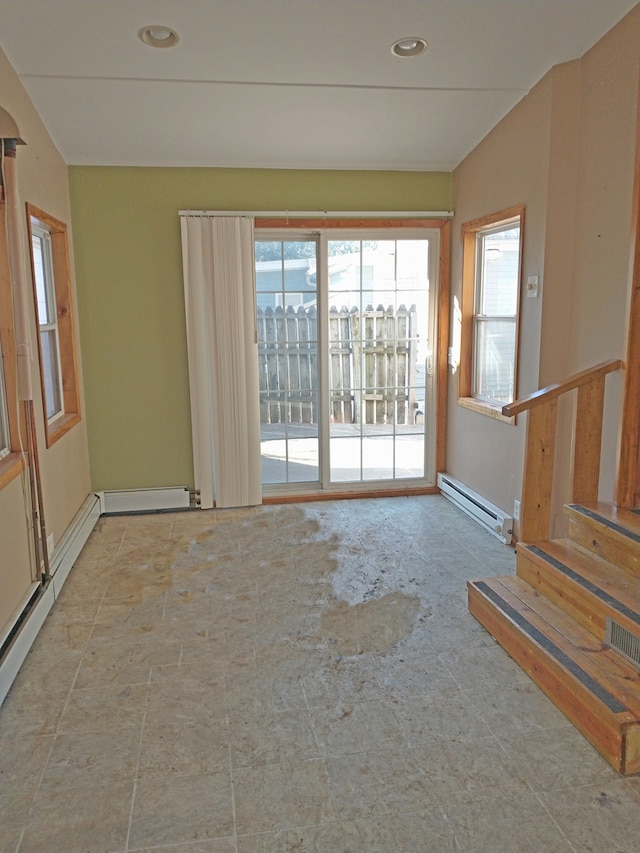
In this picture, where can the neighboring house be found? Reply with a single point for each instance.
(299, 283)
(566, 152)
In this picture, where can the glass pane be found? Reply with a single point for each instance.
(380, 300)
(410, 452)
(268, 280)
(344, 265)
(500, 257)
(285, 273)
(40, 280)
(377, 359)
(290, 453)
(345, 454)
(303, 453)
(267, 250)
(51, 374)
(377, 458)
(288, 360)
(379, 267)
(495, 342)
(412, 272)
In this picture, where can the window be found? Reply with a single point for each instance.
(5, 439)
(492, 254)
(47, 319)
(11, 460)
(52, 294)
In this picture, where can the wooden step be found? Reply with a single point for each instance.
(586, 587)
(597, 689)
(608, 532)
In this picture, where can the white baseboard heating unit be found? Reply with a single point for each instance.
(145, 500)
(491, 517)
(31, 614)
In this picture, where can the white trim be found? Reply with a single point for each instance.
(17, 613)
(326, 214)
(17, 652)
(69, 546)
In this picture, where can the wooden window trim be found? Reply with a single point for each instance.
(12, 465)
(470, 231)
(61, 425)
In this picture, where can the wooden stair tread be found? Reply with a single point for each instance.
(606, 575)
(604, 588)
(624, 518)
(611, 533)
(605, 666)
(593, 686)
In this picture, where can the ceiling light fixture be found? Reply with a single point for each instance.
(409, 46)
(158, 36)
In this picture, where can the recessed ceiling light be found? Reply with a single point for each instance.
(157, 36)
(409, 46)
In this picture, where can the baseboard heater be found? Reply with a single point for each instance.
(30, 617)
(145, 500)
(491, 517)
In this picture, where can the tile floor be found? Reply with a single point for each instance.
(292, 678)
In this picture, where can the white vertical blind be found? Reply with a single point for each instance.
(219, 288)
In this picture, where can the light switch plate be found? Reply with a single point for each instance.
(532, 286)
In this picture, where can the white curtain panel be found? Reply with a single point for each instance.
(219, 290)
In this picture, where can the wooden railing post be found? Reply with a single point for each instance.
(538, 472)
(542, 406)
(588, 442)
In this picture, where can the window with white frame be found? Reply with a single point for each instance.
(492, 254)
(496, 311)
(52, 289)
(47, 319)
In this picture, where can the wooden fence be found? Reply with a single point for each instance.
(376, 348)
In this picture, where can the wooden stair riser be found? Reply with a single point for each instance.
(631, 757)
(605, 543)
(556, 589)
(574, 595)
(612, 670)
(615, 735)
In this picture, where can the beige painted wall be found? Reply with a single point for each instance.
(130, 291)
(43, 181)
(566, 152)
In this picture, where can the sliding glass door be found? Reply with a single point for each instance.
(287, 314)
(345, 335)
(378, 349)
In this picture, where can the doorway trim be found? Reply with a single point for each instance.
(628, 480)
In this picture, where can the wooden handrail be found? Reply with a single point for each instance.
(584, 377)
(542, 406)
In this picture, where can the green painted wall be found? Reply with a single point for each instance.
(128, 260)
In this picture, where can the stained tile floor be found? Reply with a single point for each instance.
(292, 678)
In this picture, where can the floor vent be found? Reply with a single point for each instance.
(623, 641)
(491, 517)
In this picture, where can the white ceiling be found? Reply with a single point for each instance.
(287, 83)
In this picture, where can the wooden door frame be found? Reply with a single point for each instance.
(443, 226)
(628, 479)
